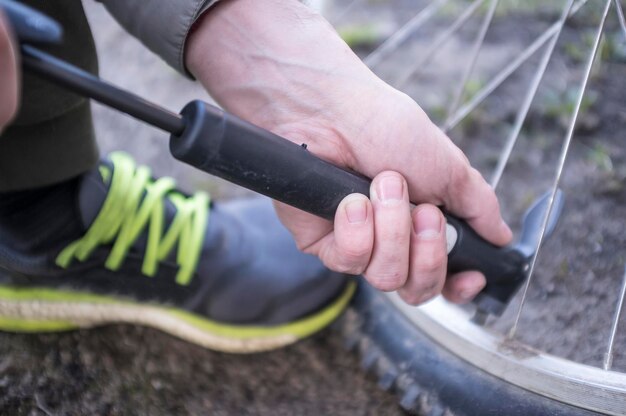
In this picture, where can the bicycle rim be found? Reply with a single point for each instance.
(415, 50)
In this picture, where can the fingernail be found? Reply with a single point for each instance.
(427, 224)
(390, 189)
(356, 211)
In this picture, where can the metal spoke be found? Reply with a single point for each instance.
(608, 357)
(346, 10)
(439, 42)
(478, 43)
(400, 35)
(562, 159)
(530, 96)
(499, 78)
(620, 17)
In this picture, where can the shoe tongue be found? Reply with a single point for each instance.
(93, 190)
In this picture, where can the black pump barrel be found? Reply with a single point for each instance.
(226, 146)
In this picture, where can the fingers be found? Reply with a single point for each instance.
(393, 247)
(428, 262)
(389, 265)
(349, 248)
(463, 287)
(8, 75)
(372, 237)
(469, 196)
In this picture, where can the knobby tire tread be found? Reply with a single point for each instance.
(428, 379)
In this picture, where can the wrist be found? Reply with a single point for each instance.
(265, 61)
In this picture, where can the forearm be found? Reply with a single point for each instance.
(161, 25)
(269, 61)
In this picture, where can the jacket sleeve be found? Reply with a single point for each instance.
(161, 25)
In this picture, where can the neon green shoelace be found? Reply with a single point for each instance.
(125, 214)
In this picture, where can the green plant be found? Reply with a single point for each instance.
(561, 105)
(360, 35)
(600, 157)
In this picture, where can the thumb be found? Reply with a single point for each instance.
(348, 249)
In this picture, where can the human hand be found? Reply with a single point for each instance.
(281, 66)
(9, 75)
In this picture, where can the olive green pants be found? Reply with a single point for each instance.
(52, 139)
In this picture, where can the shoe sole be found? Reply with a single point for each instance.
(46, 310)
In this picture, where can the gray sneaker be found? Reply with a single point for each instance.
(225, 276)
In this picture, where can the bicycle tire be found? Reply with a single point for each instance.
(427, 378)
(428, 368)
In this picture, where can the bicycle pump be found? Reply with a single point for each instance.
(226, 146)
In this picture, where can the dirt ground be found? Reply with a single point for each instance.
(130, 370)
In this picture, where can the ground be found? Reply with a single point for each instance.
(131, 370)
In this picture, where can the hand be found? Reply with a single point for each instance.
(9, 75)
(281, 66)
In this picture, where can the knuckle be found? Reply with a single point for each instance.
(393, 230)
(357, 251)
(407, 106)
(462, 157)
(386, 282)
(353, 258)
(354, 269)
(460, 176)
(431, 264)
(352, 264)
(464, 174)
(410, 298)
(394, 235)
(431, 287)
(427, 297)
(349, 262)
(345, 267)
(418, 296)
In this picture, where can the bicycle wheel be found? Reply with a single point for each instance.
(534, 94)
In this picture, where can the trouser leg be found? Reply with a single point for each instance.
(52, 138)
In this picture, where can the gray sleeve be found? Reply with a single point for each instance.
(162, 25)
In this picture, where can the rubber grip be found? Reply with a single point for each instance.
(472, 252)
(233, 149)
(504, 268)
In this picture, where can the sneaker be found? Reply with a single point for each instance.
(131, 249)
